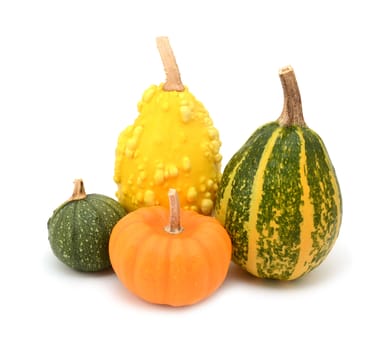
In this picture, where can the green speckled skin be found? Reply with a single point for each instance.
(281, 189)
(238, 209)
(79, 231)
(280, 201)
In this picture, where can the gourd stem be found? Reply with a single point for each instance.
(173, 77)
(292, 113)
(174, 225)
(79, 190)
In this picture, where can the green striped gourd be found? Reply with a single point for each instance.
(279, 198)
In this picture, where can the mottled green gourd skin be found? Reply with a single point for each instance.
(296, 186)
(79, 231)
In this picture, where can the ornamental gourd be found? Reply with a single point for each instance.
(279, 197)
(163, 262)
(172, 143)
(80, 228)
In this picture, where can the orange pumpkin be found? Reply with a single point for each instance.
(165, 263)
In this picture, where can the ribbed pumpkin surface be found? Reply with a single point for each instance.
(79, 231)
(280, 201)
(164, 268)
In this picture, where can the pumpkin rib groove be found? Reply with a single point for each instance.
(110, 214)
(165, 292)
(181, 267)
(105, 202)
(142, 252)
(88, 241)
(209, 270)
(128, 278)
(177, 263)
(74, 238)
(119, 252)
(156, 282)
(95, 208)
(214, 247)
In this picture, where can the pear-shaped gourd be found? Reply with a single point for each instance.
(171, 144)
(279, 198)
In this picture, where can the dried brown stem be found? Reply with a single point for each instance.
(173, 77)
(292, 113)
(174, 225)
(79, 190)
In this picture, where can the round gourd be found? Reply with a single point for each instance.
(171, 144)
(163, 262)
(279, 198)
(80, 228)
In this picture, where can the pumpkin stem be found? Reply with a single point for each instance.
(292, 113)
(174, 225)
(173, 77)
(79, 190)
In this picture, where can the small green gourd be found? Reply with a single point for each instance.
(79, 229)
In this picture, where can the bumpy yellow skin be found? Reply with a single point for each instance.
(172, 144)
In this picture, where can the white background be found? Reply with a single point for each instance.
(71, 73)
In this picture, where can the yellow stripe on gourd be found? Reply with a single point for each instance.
(307, 225)
(223, 203)
(250, 226)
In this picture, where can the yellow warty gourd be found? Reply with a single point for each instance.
(172, 144)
